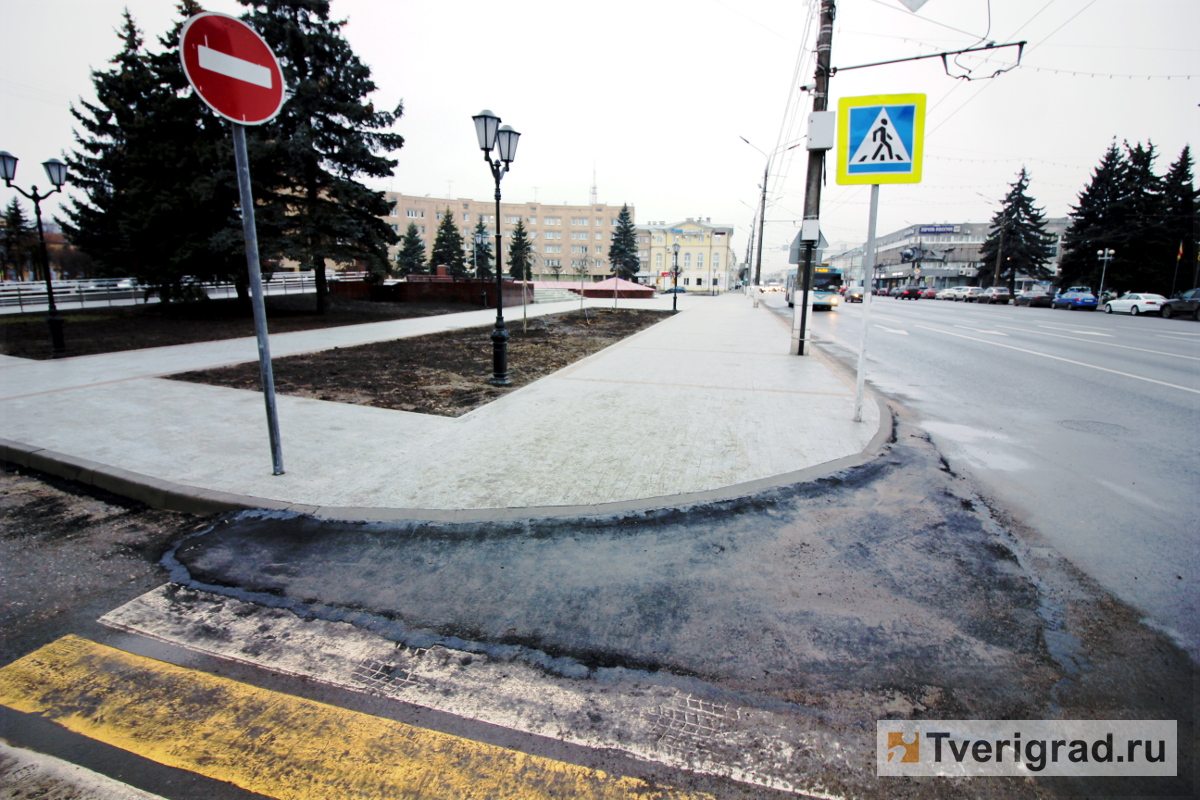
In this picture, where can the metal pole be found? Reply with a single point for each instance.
(868, 258)
(250, 234)
(499, 334)
(762, 220)
(53, 319)
(816, 158)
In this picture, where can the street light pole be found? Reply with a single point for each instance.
(56, 171)
(491, 135)
(675, 273)
(1106, 255)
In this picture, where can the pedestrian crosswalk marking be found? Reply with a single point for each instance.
(282, 746)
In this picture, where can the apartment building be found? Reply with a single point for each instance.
(706, 261)
(569, 242)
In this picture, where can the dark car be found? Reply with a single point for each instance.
(854, 294)
(910, 292)
(1075, 297)
(677, 289)
(1187, 303)
(1034, 297)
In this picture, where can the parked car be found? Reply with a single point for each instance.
(952, 293)
(1075, 297)
(970, 294)
(994, 294)
(910, 292)
(928, 293)
(1135, 303)
(1186, 303)
(1034, 297)
(854, 294)
(679, 290)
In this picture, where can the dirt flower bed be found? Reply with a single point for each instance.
(443, 373)
(108, 330)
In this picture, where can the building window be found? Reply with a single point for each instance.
(579, 220)
(699, 281)
(579, 235)
(598, 249)
(579, 249)
(466, 216)
(553, 248)
(533, 220)
(466, 205)
(658, 258)
(716, 260)
(599, 222)
(552, 221)
(687, 260)
(685, 282)
(552, 235)
(413, 213)
(699, 260)
(512, 220)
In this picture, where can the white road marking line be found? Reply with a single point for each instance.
(233, 67)
(1177, 336)
(979, 330)
(1067, 360)
(1075, 330)
(652, 722)
(1106, 344)
(29, 774)
(892, 330)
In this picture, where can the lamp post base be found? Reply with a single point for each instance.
(499, 357)
(57, 343)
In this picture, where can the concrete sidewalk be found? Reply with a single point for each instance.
(705, 405)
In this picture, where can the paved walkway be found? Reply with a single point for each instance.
(706, 404)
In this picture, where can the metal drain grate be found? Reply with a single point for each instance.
(686, 725)
(384, 678)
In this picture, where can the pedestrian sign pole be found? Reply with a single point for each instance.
(237, 75)
(881, 139)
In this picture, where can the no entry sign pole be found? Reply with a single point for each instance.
(237, 75)
(250, 233)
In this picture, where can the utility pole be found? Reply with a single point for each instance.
(816, 159)
(762, 218)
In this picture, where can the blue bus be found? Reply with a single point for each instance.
(826, 289)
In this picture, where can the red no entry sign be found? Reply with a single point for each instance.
(231, 68)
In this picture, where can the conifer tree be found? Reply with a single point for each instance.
(448, 248)
(482, 242)
(623, 252)
(327, 136)
(410, 260)
(1018, 238)
(1096, 222)
(1182, 221)
(520, 253)
(19, 242)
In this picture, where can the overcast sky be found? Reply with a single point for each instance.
(654, 96)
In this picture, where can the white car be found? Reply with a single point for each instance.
(1135, 303)
(953, 293)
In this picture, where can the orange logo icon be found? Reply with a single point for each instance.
(909, 751)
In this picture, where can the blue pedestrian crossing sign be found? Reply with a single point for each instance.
(881, 138)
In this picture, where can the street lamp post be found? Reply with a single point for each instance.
(1106, 255)
(480, 241)
(56, 171)
(504, 139)
(675, 273)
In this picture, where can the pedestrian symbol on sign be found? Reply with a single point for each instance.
(880, 139)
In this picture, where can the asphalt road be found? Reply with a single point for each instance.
(1082, 425)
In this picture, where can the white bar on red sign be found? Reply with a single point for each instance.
(234, 67)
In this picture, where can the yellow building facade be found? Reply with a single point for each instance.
(569, 242)
(706, 261)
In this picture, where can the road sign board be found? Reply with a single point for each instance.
(231, 68)
(881, 139)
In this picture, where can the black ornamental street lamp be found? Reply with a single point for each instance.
(674, 274)
(504, 139)
(56, 171)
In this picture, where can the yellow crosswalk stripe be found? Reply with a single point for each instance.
(276, 744)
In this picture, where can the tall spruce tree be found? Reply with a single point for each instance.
(327, 136)
(482, 244)
(1182, 222)
(1018, 239)
(410, 260)
(20, 241)
(520, 253)
(448, 248)
(1096, 223)
(623, 252)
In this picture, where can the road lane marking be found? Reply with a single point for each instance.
(1066, 360)
(979, 330)
(1177, 336)
(892, 330)
(25, 773)
(1106, 344)
(1075, 330)
(751, 745)
(285, 747)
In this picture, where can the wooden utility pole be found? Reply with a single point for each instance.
(816, 160)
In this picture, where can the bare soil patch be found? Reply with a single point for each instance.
(444, 373)
(107, 330)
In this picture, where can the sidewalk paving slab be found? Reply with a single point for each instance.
(705, 403)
